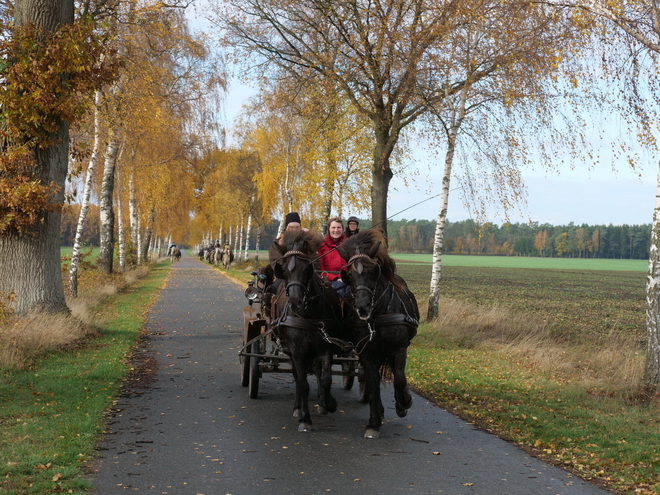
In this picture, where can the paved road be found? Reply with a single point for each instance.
(194, 430)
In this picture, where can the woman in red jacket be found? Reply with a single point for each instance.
(330, 260)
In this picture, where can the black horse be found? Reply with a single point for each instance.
(386, 321)
(306, 316)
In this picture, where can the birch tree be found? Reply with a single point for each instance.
(502, 114)
(87, 191)
(632, 26)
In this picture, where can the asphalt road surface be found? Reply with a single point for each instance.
(190, 427)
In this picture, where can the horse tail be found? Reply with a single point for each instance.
(387, 369)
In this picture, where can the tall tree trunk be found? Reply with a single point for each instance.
(138, 240)
(256, 246)
(132, 211)
(381, 176)
(34, 273)
(121, 238)
(148, 232)
(247, 236)
(458, 114)
(653, 299)
(84, 207)
(106, 210)
(436, 270)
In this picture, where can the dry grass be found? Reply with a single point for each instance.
(615, 363)
(24, 338)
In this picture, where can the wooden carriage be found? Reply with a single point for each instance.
(262, 352)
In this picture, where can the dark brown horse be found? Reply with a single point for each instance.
(386, 320)
(306, 316)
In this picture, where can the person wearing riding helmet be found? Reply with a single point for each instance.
(353, 224)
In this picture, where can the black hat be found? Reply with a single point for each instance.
(291, 217)
(353, 219)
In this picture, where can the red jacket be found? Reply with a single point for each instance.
(331, 261)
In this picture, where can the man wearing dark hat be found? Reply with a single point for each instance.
(292, 218)
(291, 223)
(353, 224)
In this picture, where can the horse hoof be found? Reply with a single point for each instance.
(321, 410)
(401, 412)
(331, 408)
(297, 413)
(371, 433)
(304, 427)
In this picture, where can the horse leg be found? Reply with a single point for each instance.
(327, 403)
(376, 409)
(297, 407)
(402, 396)
(302, 395)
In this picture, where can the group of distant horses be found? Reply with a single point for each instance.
(174, 253)
(377, 319)
(217, 255)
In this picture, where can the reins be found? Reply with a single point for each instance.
(297, 321)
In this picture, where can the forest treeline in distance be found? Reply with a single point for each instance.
(464, 237)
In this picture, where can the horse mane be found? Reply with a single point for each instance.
(372, 242)
(306, 241)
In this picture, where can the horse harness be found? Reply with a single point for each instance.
(384, 319)
(295, 321)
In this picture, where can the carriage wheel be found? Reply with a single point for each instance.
(253, 385)
(245, 371)
(349, 378)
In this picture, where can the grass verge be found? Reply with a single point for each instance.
(550, 398)
(53, 409)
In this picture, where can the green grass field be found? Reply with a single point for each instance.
(526, 262)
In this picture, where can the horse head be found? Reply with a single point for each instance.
(368, 265)
(297, 263)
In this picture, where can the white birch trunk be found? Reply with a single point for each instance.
(247, 236)
(121, 237)
(87, 191)
(236, 248)
(458, 114)
(107, 215)
(230, 235)
(256, 245)
(653, 299)
(132, 209)
(138, 240)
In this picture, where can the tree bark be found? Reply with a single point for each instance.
(381, 176)
(148, 233)
(121, 238)
(34, 272)
(247, 236)
(457, 116)
(84, 207)
(107, 214)
(653, 299)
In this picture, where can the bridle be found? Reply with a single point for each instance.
(293, 256)
(356, 261)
